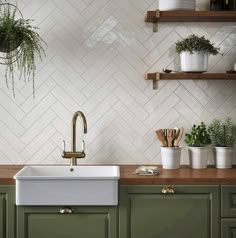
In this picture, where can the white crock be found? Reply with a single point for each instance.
(196, 62)
(171, 157)
(198, 157)
(223, 157)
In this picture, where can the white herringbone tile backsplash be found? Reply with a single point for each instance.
(97, 54)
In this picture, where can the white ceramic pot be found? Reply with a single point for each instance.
(196, 62)
(198, 157)
(223, 157)
(171, 5)
(171, 157)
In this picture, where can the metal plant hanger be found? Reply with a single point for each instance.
(19, 44)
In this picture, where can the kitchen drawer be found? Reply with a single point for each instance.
(228, 201)
(228, 228)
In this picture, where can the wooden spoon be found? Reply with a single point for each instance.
(170, 137)
(161, 137)
(177, 140)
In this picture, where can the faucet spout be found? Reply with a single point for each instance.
(73, 155)
(84, 123)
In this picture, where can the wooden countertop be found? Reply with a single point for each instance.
(183, 176)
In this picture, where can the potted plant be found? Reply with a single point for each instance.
(194, 51)
(198, 141)
(223, 137)
(19, 44)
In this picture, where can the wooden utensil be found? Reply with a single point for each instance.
(179, 136)
(161, 137)
(170, 137)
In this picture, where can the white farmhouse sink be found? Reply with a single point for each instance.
(65, 185)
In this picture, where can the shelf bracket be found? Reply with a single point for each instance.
(155, 25)
(158, 77)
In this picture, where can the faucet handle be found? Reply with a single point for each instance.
(83, 146)
(63, 145)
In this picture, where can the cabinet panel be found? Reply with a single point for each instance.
(228, 201)
(228, 228)
(193, 211)
(7, 211)
(89, 222)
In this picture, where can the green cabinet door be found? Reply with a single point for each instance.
(7, 211)
(192, 211)
(228, 201)
(228, 228)
(84, 222)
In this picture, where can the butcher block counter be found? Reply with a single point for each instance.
(184, 175)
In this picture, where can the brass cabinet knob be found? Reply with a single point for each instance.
(168, 190)
(66, 210)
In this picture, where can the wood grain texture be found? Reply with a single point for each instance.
(185, 176)
(189, 76)
(191, 16)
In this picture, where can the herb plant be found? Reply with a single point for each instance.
(195, 43)
(20, 43)
(198, 137)
(223, 132)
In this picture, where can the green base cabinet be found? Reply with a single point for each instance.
(84, 222)
(192, 211)
(228, 228)
(7, 211)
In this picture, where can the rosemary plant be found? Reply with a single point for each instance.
(20, 43)
(223, 132)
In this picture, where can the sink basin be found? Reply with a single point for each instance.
(65, 185)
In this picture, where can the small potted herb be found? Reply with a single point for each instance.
(223, 137)
(194, 51)
(19, 44)
(198, 141)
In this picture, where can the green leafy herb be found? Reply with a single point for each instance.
(198, 137)
(194, 43)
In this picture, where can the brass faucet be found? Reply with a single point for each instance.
(73, 155)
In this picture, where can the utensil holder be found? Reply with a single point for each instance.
(171, 157)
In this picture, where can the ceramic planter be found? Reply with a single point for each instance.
(196, 62)
(223, 157)
(198, 157)
(171, 157)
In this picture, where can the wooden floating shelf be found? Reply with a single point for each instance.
(189, 16)
(188, 76)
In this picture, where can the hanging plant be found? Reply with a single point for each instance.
(20, 44)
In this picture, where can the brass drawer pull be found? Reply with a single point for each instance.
(66, 210)
(168, 190)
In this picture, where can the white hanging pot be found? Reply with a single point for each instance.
(196, 62)
(198, 157)
(171, 157)
(223, 157)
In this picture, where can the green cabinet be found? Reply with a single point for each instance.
(89, 222)
(228, 211)
(7, 211)
(147, 212)
(228, 228)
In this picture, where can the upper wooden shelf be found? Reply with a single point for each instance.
(187, 76)
(189, 16)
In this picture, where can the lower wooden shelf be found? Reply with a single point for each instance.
(188, 76)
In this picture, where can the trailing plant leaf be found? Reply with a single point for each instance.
(223, 132)
(195, 43)
(198, 137)
(22, 44)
